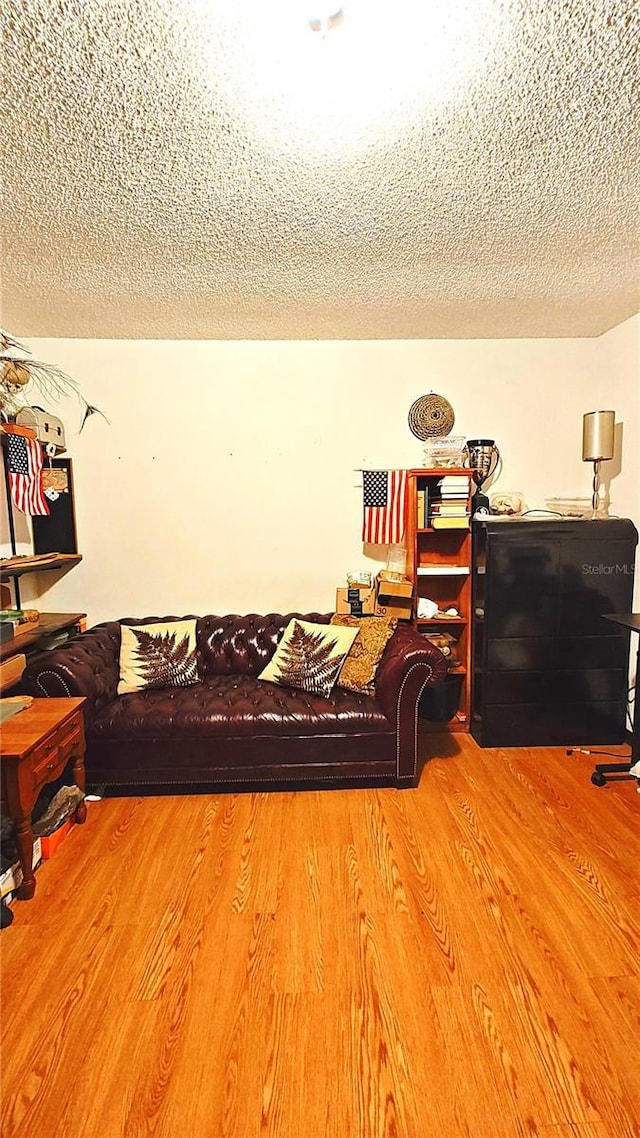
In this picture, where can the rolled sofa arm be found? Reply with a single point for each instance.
(409, 664)
(87, 665)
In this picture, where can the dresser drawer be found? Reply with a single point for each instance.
(51, 756)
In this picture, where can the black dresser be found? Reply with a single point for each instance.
(547, 669)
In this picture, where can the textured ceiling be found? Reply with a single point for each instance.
(435, 168)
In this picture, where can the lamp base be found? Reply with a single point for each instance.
(599, 509)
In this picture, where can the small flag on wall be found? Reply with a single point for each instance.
(384, 506)
(24, 465)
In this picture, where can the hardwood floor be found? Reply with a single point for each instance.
(457, 960)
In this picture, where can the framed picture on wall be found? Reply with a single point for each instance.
(56, 532)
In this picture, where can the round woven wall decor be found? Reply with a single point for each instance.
(431, 416)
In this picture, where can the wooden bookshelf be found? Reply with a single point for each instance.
(439, 564)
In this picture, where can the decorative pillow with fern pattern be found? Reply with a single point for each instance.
(309, 656)
(159, 655)
(361, 665)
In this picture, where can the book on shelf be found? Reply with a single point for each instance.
(16, 621)
(452, 507)
(442, 521)
(459, 512)
(421, 503)
(457, 481)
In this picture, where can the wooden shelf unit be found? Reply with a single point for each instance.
(446, 554)
(37, 635)
(59, 556)
(34, 637)
(11, 567)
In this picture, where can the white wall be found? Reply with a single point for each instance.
(227, 479)
(617, 364)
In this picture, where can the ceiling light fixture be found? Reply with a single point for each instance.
(331, 80)
(325, 18)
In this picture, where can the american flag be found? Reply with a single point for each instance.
(384, 506)
(24, 464)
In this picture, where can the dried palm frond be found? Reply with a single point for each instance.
(52, 380)
(16, 373)
(90, 410)
(8, 345)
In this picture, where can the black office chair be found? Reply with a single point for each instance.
(621, 771)
(608, 772)
(612, 772)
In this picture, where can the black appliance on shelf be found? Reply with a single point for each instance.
(547, 669)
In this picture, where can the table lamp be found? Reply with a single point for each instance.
(598, 436)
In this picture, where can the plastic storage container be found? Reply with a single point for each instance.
(440, 704)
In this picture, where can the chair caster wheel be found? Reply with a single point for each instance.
(598, 779)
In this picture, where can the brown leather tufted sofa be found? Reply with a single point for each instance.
(231, 728)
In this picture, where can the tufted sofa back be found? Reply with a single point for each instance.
(235, 645)
(242, 645)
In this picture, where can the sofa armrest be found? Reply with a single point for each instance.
(405, 650)
(87, 665)
(409, 664)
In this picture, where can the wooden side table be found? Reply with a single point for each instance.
(35, 746)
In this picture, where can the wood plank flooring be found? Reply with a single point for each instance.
(456, 961)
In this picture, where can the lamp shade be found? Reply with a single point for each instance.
(598, 435)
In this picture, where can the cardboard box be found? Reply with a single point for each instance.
(386, 598)
(359, 601)
(394, 597)
(393, 588)
(400, 607)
